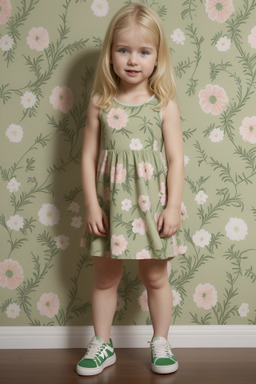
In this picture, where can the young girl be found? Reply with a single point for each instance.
(132, 197)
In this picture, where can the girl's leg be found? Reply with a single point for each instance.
(107, 276)
(154, 276)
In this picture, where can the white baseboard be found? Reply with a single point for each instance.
(180, 336)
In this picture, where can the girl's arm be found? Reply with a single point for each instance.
(169, 219)
(96, 221)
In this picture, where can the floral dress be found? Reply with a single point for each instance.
(131, 185)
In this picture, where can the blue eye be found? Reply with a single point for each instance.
(144, 53)
(123, 50)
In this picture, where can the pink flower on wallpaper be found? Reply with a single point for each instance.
(144, 254)
(139, 226)
(118, 244)
(145, 170)
(62, 99)
(5, 11)
(143, 301)
(118, 174)
(144, 203)
(252, 38)
(205, 296)
(48, 305)
(11, 274)
(117, 118)
(219, 10)
(38, 39)
(213, 99)
(248, 129)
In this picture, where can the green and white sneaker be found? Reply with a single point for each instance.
(162, 358)
(99, 355)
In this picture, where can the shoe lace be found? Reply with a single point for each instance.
(161, 349)
(93, 350)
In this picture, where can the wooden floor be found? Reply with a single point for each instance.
(197, 366)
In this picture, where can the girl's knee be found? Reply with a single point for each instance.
(153, 277)
(107, 274)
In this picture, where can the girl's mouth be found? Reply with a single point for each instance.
(131, 72)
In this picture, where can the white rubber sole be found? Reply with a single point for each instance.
(95, 371)
(165, 369)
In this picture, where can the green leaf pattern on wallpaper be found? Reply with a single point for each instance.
(48, 53)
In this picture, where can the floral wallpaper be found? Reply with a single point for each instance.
(49, 51)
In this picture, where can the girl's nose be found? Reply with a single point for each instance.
(132, 59)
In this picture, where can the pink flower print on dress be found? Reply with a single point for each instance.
(62, 99)
(5, 11)
(118, 174)
(48, 305)
(162, 193)
(117, 118)
(144, 203)
(11, 274)
(219, 10)
(183, 212)
(252, 38)
(248, 129)
(118, 244)
(145, 170)
(178, 250)
(38, 39)
(144, 254)
(139, 226)
(213, 99)
(104, 165)
(205, 296)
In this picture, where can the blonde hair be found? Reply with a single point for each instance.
(161, 82)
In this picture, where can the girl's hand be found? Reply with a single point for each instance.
(168, 222)
(96, 221)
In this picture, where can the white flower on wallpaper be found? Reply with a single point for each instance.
(38, 39)
(178, 36)
(62, 242)
(11, 274)
(248, 129)
(119, 303)
(14, 133)
(213, 99)
(13, 185)
(6, 43)
(236, 229)
(5, 11)
(223, 44)
(216, 135)
(62, 99)
(76, 222)
(15, 222)
(243, 310)
(126, 205)
(49, 215)
(143, 301)
(252, 38)
(186, 160)
(202, 238)
(219, 10)
(176, 297)
(28, 100)
(201, 197)
(100, 7)
(13, 311)
(74, 207)
(205, 296)
(48, 305)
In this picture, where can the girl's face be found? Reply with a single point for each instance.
(133, 56)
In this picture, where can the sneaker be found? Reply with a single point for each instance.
(99, 355)
(162, 359)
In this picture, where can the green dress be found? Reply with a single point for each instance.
(131, 184)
